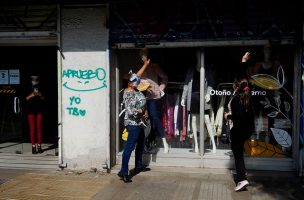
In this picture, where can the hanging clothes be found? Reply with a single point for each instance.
(176, 106)
(218, 123)
(184, 130)
(170, 113)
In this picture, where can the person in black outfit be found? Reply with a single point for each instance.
(242, 116)
(34, 110)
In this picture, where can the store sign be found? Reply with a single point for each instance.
(3, 77)
(11, 76)
(14, 76)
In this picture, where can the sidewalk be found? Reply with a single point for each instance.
(161, 183)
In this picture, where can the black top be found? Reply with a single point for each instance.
(196, 81)
(35, 104)
(242, 119)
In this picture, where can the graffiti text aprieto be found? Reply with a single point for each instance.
(85, 74)
(84, 80)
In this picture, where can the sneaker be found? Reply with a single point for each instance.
(124, 178)
(142, 169)
(241, 185)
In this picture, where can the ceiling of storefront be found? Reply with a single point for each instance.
(35, 2)
(141, 21)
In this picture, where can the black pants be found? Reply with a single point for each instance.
(238, 138)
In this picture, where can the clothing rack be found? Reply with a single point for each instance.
(225, 86)
(175, 85)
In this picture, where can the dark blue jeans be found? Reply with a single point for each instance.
(154, 109)
(136, 138)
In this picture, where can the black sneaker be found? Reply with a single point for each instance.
(39, 149)
(124, 178)
(142, 169)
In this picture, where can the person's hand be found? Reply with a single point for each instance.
(226, 115)
(140, 111)
(144, 58)
(146, 61)
(33, 94)
(246, 57)
(183, 102)
(146, 115)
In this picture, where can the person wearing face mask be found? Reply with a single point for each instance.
(135, 116)
(35, 108)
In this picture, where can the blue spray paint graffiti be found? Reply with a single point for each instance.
(84, 80)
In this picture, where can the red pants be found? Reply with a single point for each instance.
(35, 121)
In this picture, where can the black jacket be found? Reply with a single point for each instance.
(243, 120)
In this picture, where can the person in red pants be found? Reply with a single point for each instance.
(35, 107)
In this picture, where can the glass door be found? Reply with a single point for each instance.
(11, 137)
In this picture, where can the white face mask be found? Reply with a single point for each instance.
(35, 82)
(135, 80)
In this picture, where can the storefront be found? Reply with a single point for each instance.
(195, 35)
(92, 52)
(28, 47)
(69, 51)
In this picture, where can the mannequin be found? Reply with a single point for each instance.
(266, 64)
(191, 95)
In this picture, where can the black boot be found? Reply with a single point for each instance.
(34, 151)
(39, 149)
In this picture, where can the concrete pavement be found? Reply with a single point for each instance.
(161, 183)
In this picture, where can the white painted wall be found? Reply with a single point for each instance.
(85, 88)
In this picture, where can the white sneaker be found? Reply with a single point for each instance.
(241, 185)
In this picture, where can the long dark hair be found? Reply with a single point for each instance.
(126, 80)
(244, 92)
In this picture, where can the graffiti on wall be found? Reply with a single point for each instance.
(142, 22)
(82, 81)
(73, 108)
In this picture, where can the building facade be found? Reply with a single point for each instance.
(82, 49)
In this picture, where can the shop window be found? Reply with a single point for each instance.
(179, 122)
(270, 69)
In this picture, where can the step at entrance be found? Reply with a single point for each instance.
(21, 161)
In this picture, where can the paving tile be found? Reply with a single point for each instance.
(33, 186)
